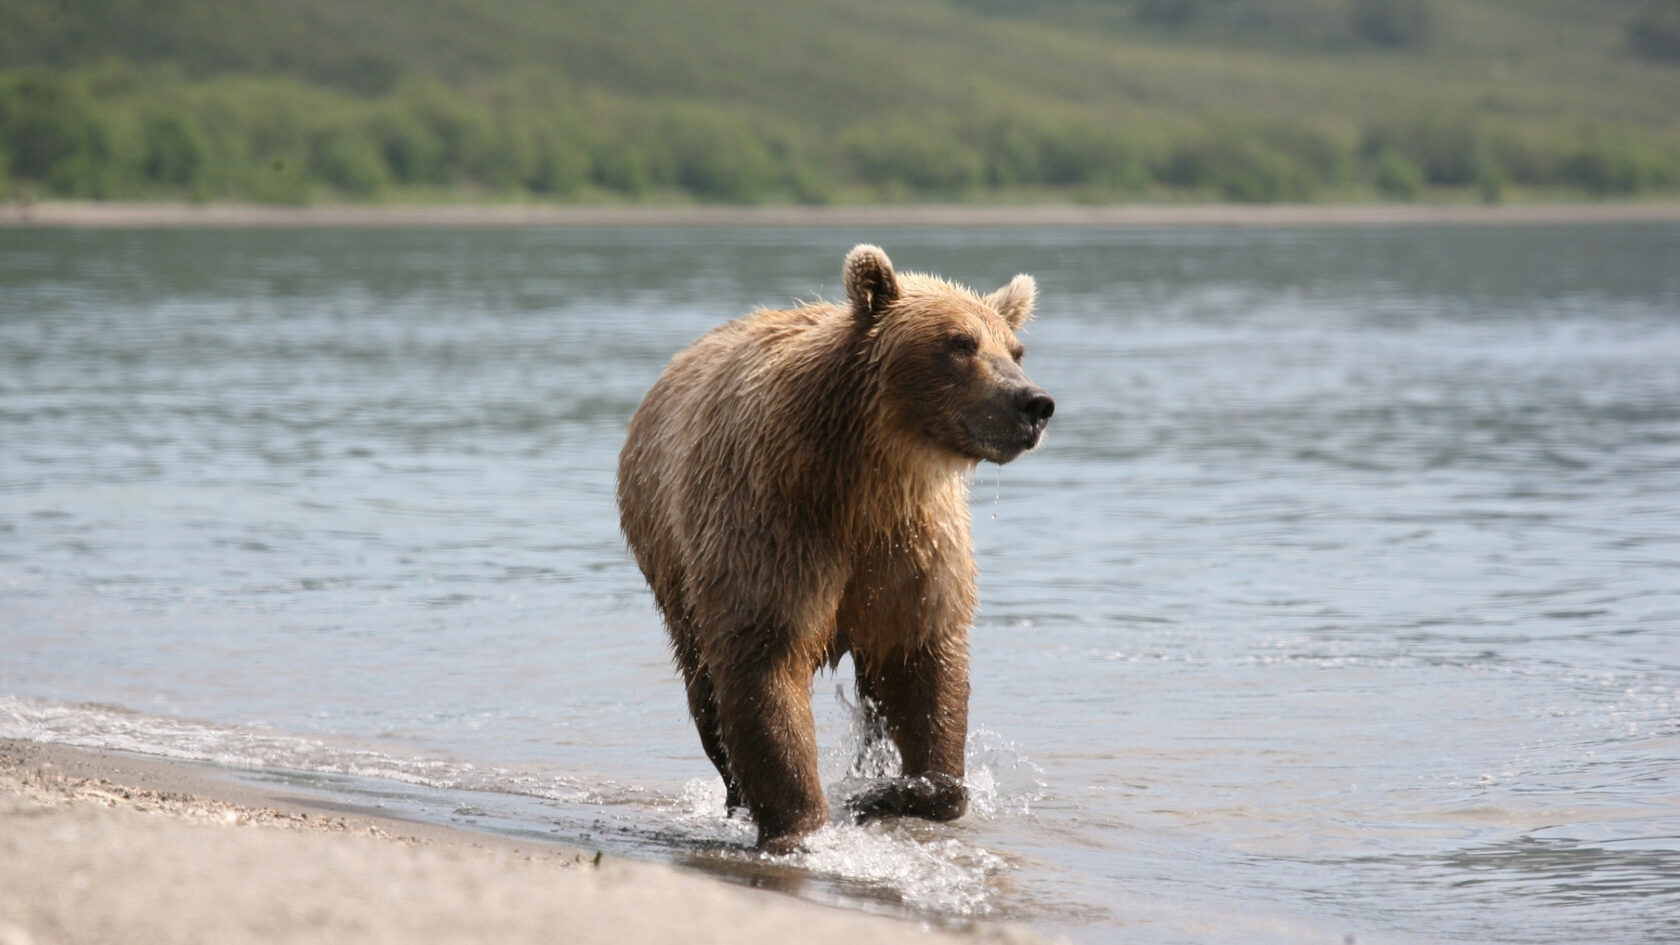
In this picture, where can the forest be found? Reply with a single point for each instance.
(743, 101)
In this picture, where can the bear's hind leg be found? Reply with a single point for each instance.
(702, 708)
(923, 697)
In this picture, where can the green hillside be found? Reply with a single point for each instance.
(840, 100)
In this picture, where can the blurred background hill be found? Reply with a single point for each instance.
(840, 100)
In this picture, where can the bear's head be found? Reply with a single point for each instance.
(948, 358)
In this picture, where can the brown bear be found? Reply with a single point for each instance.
(794, 488)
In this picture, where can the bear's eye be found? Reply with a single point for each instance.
(1017, 353)
(962, 345)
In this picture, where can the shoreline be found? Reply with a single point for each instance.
(99, 846)
(134, 215)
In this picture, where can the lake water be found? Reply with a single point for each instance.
(1343, 598)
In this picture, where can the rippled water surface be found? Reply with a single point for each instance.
(1342, 599)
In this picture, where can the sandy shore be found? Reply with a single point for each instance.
(99, 847)
(100, 214)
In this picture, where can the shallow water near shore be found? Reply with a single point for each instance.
(1343, 598)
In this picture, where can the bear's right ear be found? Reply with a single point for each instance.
(871, 284)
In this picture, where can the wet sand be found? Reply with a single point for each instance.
(101, 214)
(100, 847)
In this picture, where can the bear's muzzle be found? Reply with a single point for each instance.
(1012, 422)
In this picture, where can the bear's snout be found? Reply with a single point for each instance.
(1035, 405)
(1009, 422)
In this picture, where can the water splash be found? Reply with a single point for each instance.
(941, 876)
(1002, 782)
(920, 866)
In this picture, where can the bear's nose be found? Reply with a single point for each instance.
(1035, 405)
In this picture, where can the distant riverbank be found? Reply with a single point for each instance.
(103, 214)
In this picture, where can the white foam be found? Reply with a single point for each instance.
(116, 729)
(944, 876)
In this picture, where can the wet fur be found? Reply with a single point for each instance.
(794, 488)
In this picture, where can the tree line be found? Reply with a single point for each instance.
(127, 132)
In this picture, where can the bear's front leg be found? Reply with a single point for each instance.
(923, 696)
(764, 717)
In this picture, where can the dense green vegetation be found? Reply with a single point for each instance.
(1655, 31)
(840, 100)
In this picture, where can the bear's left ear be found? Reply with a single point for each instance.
(871, 284)
(1015, 300)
